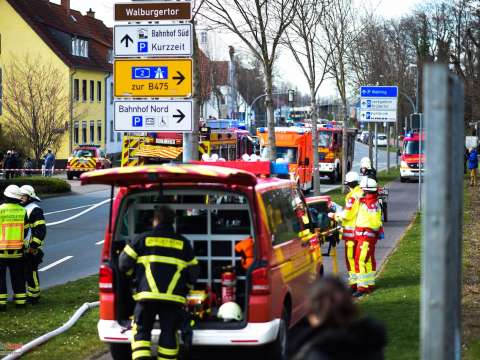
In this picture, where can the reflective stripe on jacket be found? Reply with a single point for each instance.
(164, 265)
(369, 213)
(349, 213)
(37, 227)
(12, 226)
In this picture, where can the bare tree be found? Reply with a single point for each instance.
(304, 40)
(37, 104)
(260, 25)
(340, 34)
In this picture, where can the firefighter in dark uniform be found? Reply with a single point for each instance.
(13, 225)
(34, 241)
(164, 267)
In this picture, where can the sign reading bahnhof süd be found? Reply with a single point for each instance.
(153, 78)
(137, 11)
(153, 115)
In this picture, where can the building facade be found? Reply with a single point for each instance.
(78, 47)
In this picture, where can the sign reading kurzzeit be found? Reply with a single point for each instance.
(153, 11)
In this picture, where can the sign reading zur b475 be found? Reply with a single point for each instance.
(153, 78)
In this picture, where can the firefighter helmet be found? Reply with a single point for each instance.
(368, 184)
(13, 192)
(351, 177)
(366, 163)
(230, 311)
(29, 191)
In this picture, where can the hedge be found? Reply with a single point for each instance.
(42, 185)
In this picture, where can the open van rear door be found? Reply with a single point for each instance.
(181, 173)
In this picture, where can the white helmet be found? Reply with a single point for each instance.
(13, 192)
(29, 191)
(230, 311)
(368, 184)
(366, 163)
(351, 177)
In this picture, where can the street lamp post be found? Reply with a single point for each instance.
(420, 152)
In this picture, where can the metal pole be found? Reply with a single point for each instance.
(420, 159)
(376, 146)
(370, 143)
(396, 142)
(388, 147)
(443, 215)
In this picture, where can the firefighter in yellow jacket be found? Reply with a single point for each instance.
(13, 220)
(164, 267)
(368, 229)
(348, 217)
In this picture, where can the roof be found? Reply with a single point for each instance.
(50, 20)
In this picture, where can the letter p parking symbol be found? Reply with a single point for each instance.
(142, 46)
(137, 121)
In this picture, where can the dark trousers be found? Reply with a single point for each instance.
(31, 275)
(143, 320)
(16, 268)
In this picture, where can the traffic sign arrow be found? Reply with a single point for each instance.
(180, 78)
(126, 39)
(180, 116)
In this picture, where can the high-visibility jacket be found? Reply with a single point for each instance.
(245, 247)
(163, 263)
(37, 227)
(369, 214)
(348, 216)
(12, 230)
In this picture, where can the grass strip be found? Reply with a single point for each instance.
(57, 305)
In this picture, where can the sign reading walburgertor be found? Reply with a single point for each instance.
(152, 11)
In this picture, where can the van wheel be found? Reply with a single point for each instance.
(402, 179)
(121, 351)
(278, 349)
(69, 176)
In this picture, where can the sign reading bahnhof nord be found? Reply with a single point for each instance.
(153, 78)
(153, 11)
(153, 40)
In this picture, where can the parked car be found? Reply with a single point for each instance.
(382, 140)
(215, 208)
(362, 136)
(86, 158)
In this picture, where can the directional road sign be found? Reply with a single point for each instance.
(154, 116)
(153, 78)
(153, 11)
(378, 103)
(153, 40)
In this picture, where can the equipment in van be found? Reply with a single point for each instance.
(199, 304)
(229, 284)
(230, 311)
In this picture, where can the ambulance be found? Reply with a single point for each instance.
(412, 154)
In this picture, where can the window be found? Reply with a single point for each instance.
(0, 44)
(119, 136)
(92, 131)
(84, 90)
(1, 91)
(99, 90)
(79, 47)
(84, 132)
(112, 133)
(92, 90)
(76, 90)
(203, 37)
(282, 219)
(99, 130)
(75, 132)
(110, 56)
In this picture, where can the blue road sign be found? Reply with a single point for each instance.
(137, 121)
(142, 46)
(379, 91)
(150, 73)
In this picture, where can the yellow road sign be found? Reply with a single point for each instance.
(153, 78)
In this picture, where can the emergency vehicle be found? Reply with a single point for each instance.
(216, 207)
(411, 155)
(86, 158)
(294, 146)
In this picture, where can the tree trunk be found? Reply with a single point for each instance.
(316, 169)
(344, 142)
(271, 147)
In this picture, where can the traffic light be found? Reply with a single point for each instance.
(415, 121)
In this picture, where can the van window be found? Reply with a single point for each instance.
(282, 219)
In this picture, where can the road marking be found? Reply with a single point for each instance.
(80, 213)
(45, 268)
(100, 242)
(70, 209)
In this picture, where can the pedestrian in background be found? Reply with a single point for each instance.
(473, 166)
(37, 230)
(7, 163)
(27, 167)
(49, 163)
(336, 332)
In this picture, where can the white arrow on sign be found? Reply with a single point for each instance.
(154, 116)
(153, 40)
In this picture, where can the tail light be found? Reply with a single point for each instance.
(105, 279)
(260, 281)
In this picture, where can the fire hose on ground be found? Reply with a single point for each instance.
(44, 338)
